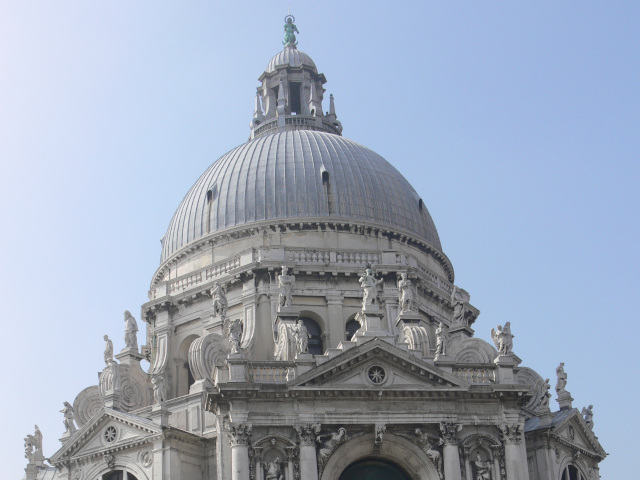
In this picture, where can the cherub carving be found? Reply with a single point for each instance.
(503, 339)
(234, 334)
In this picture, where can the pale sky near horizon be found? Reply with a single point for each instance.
(516, 122)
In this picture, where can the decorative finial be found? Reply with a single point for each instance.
(289, 29)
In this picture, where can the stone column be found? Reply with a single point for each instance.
(516, 466)
(308, 460)
(497, 454)
(450, 453)
(336, 323)
(467, 464)
(291, 458)
(239, 435)
(257, 462)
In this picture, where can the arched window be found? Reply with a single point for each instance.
(571, 473)
(351, 327)
(316, 346)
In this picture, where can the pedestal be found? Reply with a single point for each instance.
(564, 400)
(237, 367)
(304, 363)
(129, 356)
(505, 364)
(160, 414)
(444, 363)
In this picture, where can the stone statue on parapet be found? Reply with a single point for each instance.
(458, 299)
(483, 469)
(545, 396)
(285, 283)
(587, 414)
(289, 29)
(219, 298)
(369, 283)
(442, 339)
(159, 388)
(503, 339)
(130, 331)
(302, 337)
(234, 334)
(69, 419)
(273, 470)
(33, 444)
(108, 350)
(562, 379)
(405, 293)
(430, 445)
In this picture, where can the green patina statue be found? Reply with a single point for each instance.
(289, 29)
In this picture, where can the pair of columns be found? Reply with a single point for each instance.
(239, 436)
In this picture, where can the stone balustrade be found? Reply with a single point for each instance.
(476, 375)
(271, 372)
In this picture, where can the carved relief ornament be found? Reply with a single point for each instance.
(449, 432)
(308, 433)
(239, 434)
(511, 433)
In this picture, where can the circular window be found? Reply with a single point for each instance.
(376, 375)
(110, 434)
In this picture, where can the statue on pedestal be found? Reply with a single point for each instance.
(159, 389)
(130, 331)
(289, 29)
(545, 396)
(234, 332)
(302, 337)
(405, 293)
(273, 470)
(108, 350)
(33, 443)
(503, 339)
(219, 299)
(442, 339)
(587, 414)
(458, 299)
(285, 283)
(69, 418)
(562, 379)
(369, 283)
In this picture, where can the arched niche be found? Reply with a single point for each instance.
(317, 328)
(273, 448)
(394, 449)
(482, 450)
(183, 375)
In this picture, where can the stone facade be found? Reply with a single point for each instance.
(301, 326)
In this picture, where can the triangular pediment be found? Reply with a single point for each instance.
(574, 431)
(107, 430)
(377, 364)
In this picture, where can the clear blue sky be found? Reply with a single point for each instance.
(517, 122)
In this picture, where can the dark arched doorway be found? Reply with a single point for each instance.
(373, 469)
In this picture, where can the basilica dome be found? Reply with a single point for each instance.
(290, 57)
(299, 176)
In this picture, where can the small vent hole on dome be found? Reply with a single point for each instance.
(420, 205)
(212, 194)
(325, 178)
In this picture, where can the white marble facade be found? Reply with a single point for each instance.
(266, 363)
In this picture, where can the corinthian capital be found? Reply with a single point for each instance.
(450, 431)
(239, 433)
(511, 433)
(307, 433)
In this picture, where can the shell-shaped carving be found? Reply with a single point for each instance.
(205, 353)
(87, 404)
(417, 338)
(474, 350)
(527, 376)
(134, 387)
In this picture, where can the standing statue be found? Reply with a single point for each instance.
(369, 283)
(483, 469)
(545, 396)
(219, 298)
(429, 445)
(273, 470)
(33, 443)
(234, 332)
(442, 339)
(289, 28)
(108, 350)
(329, 442)
(503, 339)
(405, 293)
(458, 299)
(69, 418)
(159, 389)
(285, 283)
(587, 414)
(302, 337)
(562, 379)
(130, 331)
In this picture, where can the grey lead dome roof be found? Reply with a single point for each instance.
(279, 176)
(292, 57)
